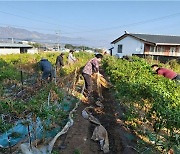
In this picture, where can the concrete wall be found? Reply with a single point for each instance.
(4, 51)
(32, 51)
(129, 46)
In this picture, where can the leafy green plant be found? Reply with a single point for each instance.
(146, 95)
(36, 104)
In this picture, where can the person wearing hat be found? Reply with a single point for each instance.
(71, 58)
(47, 69)
(60, 61)
(92, 66)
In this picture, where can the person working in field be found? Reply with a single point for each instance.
(47, 69)
(60, 61)
(71, 58)
(91, 67)
(166, 72)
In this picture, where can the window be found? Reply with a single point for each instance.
(151, 49)
(120, 48)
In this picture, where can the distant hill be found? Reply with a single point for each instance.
(23, 34)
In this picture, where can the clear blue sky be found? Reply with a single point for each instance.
(101, 21)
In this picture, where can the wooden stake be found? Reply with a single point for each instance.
(29, 134)
(22, 79)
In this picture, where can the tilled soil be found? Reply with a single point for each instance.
(121, 140)
(78, 139)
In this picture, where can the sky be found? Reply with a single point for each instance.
(98, 21)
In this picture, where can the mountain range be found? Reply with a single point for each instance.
(23, 34)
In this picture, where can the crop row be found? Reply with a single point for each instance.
(152, 100)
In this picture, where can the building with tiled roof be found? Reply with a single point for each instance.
(130, 43)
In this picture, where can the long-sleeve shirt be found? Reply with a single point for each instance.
(59, 61)
(45, 65)
(71, 58)
(91, 66)
(166, 73)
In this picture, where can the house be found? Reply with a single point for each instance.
(130, 43)
(12, 48)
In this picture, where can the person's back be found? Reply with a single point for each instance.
(166, 73)
(91, 66)
(47, 69)
(45, 65)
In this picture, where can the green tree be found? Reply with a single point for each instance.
(35, 45)
(69, 46)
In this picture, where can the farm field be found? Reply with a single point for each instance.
(141, 111)
(152, 101)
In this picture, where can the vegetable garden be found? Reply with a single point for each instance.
(152, 102)
(41, 110)
(31, 109)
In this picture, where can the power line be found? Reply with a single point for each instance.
(132, 24)
(48, 17)
(95, 30)
(33, 19)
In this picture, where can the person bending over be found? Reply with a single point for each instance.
(47, 69)
(92, 66)
(167, 73)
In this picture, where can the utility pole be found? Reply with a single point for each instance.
(58, 39)
(12, 39)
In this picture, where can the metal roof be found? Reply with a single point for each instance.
(156, 39)
(14, 45)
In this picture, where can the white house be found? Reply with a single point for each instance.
(129, 44)
(12, 48)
